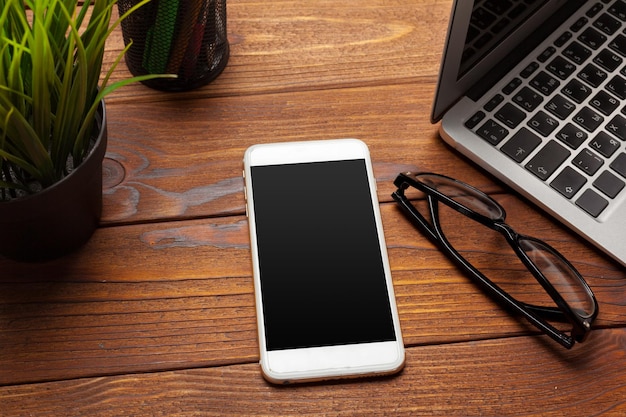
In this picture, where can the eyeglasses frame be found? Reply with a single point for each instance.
(536, 315)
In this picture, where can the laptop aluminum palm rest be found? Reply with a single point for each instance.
(534, 91)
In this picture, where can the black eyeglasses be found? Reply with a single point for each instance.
(566, 288)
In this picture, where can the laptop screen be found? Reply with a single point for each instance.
(481, 34)
(492, 21)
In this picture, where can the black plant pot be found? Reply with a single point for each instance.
(61, 218)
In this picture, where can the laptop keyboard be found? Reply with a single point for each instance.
(563, 117)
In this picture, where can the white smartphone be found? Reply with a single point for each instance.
(324, 297)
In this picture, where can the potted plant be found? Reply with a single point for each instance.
(53, 123)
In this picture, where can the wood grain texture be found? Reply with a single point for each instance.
(282, 46)
(521, 377)
(155, 315)
(174, 163)
(173, 295)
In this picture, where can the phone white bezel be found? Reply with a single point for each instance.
(316, 363)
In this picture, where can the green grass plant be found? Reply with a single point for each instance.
(51, 58)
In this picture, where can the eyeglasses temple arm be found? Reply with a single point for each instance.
(531, 314)
(534, 314)
(415, 216)
(548, 313)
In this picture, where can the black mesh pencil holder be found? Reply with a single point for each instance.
(183, 37)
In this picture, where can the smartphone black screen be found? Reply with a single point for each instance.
(321, 269)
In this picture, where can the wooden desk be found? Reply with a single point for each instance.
(155, 315)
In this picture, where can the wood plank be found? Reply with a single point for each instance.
(150, 175)
(308, 47)
(155, 316)
(180, 295)
(296, 45)
(516, 376)
(183, 159)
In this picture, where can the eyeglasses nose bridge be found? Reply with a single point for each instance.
(500, 226)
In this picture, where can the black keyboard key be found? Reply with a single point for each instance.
(546, 54)
(545, 83)
(560, 106)
(588, 162)
(474, 120)
(604, 102)
(576, 90)
(543, 123)
(500, 26)
(619, 164)
(607, 24)
(494, 102)
(472, 33)
(592, 203)
(492, 132)
(618, 9)
(592, 38)
(483, 40)
(604, 144)
(609, 184)
(594, 10)
(568, 182)
(571, 136)
(528, 99)
(482, 18)
(517, 11)
(561, 67)
(577, 52)
(529, 70)
(512, 86)
(608, 60)
(547, 160)
(618, 44)
(617, 126)
(510, 115)
(588, 119)
(593, 75)
(617, 85)
(579, 24)
(521, 145)
(561, 40)
(498, 6)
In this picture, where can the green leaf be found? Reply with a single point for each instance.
(51, 56)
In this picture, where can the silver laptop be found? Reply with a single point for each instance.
(534, 91)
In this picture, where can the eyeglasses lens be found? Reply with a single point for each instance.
(490, 253)
(471, 199)
(560, 275)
